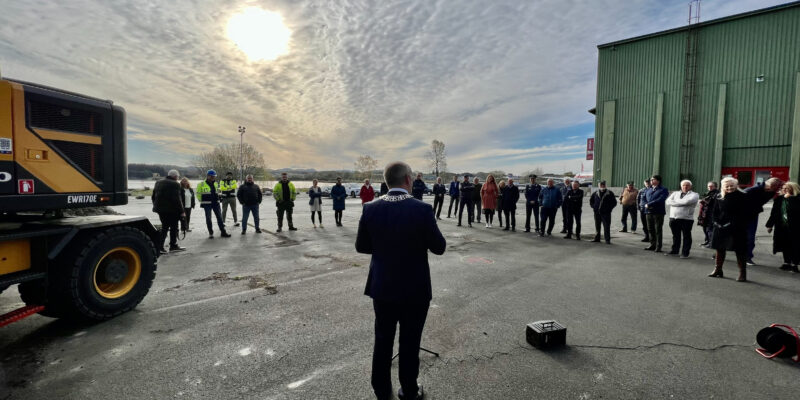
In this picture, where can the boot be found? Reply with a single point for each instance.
(596, 238)
(718, 260)
(742, 271)
(569, 236)
(578, 236)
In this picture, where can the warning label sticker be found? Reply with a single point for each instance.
(5, 146)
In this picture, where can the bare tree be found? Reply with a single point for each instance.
(536, 171)
(437, 157)
(225, 158)
(365, 165)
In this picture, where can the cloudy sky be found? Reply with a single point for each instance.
(505, 84)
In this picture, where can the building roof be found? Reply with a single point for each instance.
(705, 23)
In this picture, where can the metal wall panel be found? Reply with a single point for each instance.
(758, 115)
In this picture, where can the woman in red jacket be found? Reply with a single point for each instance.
(367, 193)
(489, 193)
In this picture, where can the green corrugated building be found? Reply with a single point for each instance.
(709, 99)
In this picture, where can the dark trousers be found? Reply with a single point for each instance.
(284, 209)
(645, 227)
(477, 205)
(466, 203)
(337, 216)
(169, 222)
(411, 318)
(655, 225)
(511, 218)
(626, 210)
(574, 217)
(489, 214)
(246, 211)
(450, 208)
(709, 233)
(188, 212)
(438, 202)
(603, 219)
(531, 209)
(564, 217)
(500, 216)
(218, 213)
(751, 237)
(681, 228)
(319, 214)
(548, 219)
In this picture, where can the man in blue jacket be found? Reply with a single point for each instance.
(454, 193)
(550, 199)
(532, 191)
(655, 207)
(398, 230)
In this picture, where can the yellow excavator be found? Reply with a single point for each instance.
(58, 151)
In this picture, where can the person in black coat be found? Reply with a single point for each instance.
(384, 188)
(730, 217)
(706, 208)
(466, 201)
(167, 203)
(564, 213)
(574, 207)
(602, 202)
(757, 196)
(398, 231)
(419, 187)
(510, 198)
(249, 196)
(439, 190)
(785, 220)
(476, 198)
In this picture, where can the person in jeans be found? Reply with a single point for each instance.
(455, 193)
(574, 202)
(167, 203)
(249, 196)
(602, 202)
(681, 218)
(438, 197)
(550, 199)
(706, 208)
(510, 197)
(655, 207)
(532, 191)
(628, 200)
(208, 194)
(641, 201)
(476, 198)
(757, 196)
(187, 197)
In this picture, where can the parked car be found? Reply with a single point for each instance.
(428, 189)
(326, 191)
(354, 189)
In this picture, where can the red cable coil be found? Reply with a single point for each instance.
(796, 358)
(19, 314)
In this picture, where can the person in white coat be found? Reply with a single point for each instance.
(681, 218)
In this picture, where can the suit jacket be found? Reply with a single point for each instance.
(398, 231)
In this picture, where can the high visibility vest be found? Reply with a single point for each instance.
(204, 193)
(228, 188)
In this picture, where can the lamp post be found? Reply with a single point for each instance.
(241, 152)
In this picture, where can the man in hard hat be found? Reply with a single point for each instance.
(208, 194)
(228, 187)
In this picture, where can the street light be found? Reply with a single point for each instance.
(241, 152)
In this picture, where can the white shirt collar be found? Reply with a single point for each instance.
(398, 190)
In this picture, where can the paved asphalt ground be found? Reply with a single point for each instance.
(282, 316)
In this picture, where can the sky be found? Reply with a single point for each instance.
(505, 84)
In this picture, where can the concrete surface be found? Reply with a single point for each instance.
(282, 316)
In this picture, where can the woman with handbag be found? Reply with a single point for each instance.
(315, 202)
(730, 227)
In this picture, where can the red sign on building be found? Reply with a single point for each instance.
(590, 149)
(25, 186)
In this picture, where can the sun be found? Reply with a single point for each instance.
(259, 33)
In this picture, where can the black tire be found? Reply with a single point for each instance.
(73, 291)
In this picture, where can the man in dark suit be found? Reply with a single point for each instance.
(398, 231)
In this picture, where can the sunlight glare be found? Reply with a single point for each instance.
(259, 33)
